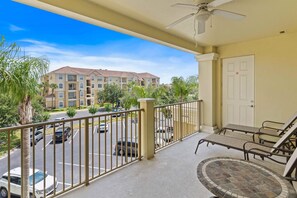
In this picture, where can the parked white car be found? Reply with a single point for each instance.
(15, 183)
(165, 133)
(102, 127)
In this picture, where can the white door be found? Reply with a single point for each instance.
(238, 91)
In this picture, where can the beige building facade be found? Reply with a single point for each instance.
(79, 86)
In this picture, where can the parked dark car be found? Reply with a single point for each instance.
(59, 134)
(130, 147)
(117, 113)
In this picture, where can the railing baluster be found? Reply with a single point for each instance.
(72, 153)
(86, 151)
(92, 148)
(8, 161)
(79, 152)
(44, 159)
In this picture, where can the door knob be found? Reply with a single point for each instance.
(251, 105)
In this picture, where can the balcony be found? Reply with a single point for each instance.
(120, 143)
(171, 173)
(111, 141)
(72, 78)
(71, 87)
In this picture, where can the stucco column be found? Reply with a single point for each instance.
(147, 127)
(207, 90)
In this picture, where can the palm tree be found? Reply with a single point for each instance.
(19, 76)
(53, 86)
(180, 88)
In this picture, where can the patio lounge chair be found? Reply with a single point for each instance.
(252, 147)
(264, 131)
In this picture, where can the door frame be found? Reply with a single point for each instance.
(222, 86)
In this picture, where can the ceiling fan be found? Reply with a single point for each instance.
(203, 11)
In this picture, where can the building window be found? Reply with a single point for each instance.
(81, 85)
(99, 79)
(71, 103)
(81, 102)
(81, 93)
(60, 76)
(71, 95)
(61, 95)
(61, 104)
(93, 86)
(92, 77)
(92, 94)
(81, 77)
(60, 85)
(99, 85)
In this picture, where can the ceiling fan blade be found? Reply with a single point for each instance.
(201, 26)
(185, 5)
(227, 14)
(217, 3)
(180, 20)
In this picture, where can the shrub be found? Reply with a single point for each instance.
(71, 111)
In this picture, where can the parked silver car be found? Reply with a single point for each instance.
(38, 135)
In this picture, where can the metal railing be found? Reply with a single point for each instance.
(73, 151)
(176, 121)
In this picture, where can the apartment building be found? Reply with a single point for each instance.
(79, 86)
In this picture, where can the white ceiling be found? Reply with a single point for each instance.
(148, 19)
(264, 18)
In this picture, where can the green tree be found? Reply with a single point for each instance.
(53, 86)
(183, 88)
(111, 93)
(8, 111)
(71, 112)
(93, 110)
(38, 110)
(19, 75)
(126, 101)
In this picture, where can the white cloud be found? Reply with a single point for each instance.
(14, 28)
(160, 64)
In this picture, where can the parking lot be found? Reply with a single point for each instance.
(66, 160)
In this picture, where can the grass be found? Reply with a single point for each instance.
(15, 141)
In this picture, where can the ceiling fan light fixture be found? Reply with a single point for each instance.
(202, 16)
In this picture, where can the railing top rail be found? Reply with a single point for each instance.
(66, 120)
(160, 106)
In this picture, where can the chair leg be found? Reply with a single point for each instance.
(199, 142)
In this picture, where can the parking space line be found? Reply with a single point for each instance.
(73, 136)
(108, 155)
(61, 183)
(77, 165)
(47, 144)
(95, 129)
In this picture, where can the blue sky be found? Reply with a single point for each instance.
(65, 41)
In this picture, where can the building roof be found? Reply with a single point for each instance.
(146, 75)
(101, 72)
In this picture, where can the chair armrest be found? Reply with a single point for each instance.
(278, 149)
(271, 122)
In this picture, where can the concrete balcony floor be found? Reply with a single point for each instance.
(171, 173)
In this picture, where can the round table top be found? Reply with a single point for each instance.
(228, 177)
